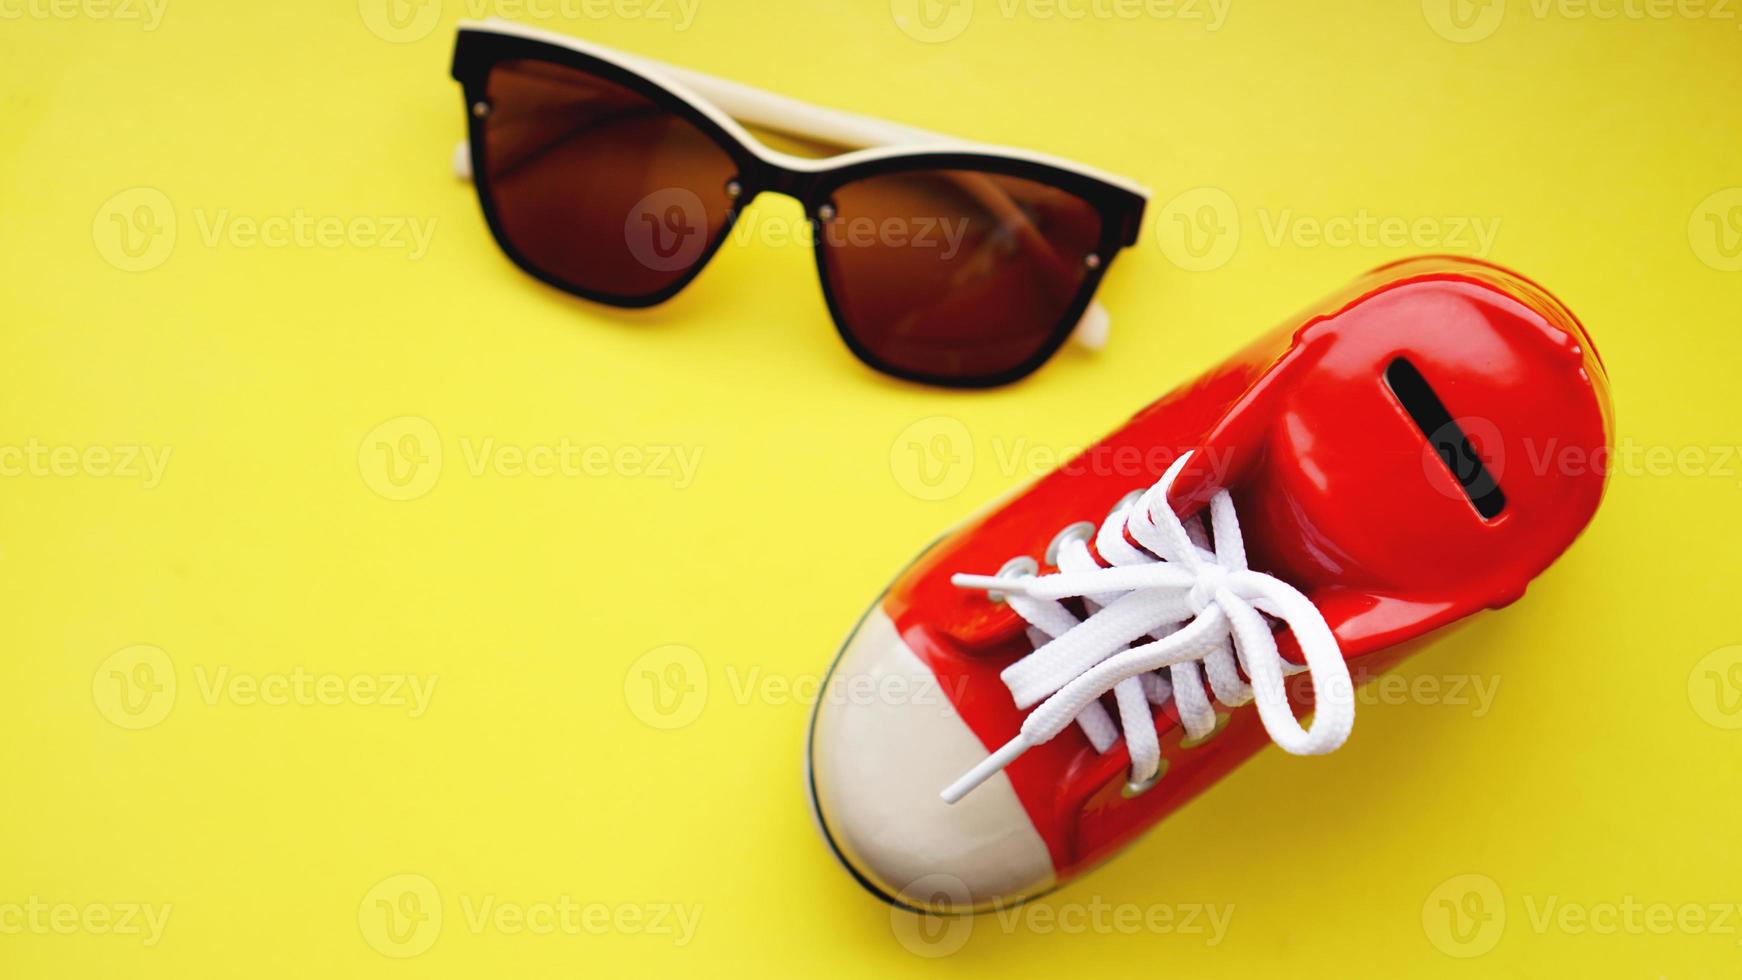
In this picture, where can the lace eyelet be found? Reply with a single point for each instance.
(1132, 790)
(1021, 566)
(1126, 501)
(1222, 719)
(1080, 531)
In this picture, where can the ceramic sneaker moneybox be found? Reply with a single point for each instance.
(1105, 644)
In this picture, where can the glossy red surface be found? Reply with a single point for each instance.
(1339, 493)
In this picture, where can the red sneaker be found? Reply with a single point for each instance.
(1378, 469)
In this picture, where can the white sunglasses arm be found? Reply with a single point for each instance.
(792, 117)
(756, 107)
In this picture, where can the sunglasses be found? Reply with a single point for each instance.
(616, 179)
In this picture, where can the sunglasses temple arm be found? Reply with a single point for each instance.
(793, 117)
(787, 116)
(1093, 329)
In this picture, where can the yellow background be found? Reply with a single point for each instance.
(1603, 771)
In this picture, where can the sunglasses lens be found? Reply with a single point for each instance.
(953, 274)
(597, 186)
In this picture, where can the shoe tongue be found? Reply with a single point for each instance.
(1274, 498)
(1251, 453)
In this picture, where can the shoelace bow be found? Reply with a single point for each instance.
(1195, 606)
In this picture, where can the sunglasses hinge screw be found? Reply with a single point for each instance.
(734, 190)
(480, 109)
(826, 212)
(1092, 260)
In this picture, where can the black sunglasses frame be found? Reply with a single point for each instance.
(478, 52)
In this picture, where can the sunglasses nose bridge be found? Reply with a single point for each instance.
(802, 187)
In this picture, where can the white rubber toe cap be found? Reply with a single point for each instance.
(886, 740)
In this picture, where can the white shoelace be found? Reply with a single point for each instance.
(1195, 608)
